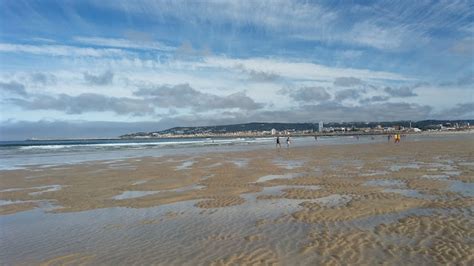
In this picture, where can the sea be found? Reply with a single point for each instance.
(45, 153)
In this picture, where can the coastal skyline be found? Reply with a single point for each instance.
(88, 68)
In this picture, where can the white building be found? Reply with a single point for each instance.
(321, 126)
(274, 131)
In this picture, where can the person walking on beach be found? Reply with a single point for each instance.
(278, 145)
(397, 138)
(389, 137)
(288, 142)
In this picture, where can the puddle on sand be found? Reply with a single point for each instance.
(330, 201)
(13, 189)
(139, 182)
(410, 193)
(385, 183)
(115, 232)
(465, 189)
(207, 176)
(50, 188)
(214, 165)
(436, 177)
(221, 230)
(10, 202)
(398, 167)
(185, 165)
(120, 165)
(374, 173)
(335, 200)
(452, 173)
(133, 194)
(288, 164)
(441, 166)
(46, 205)
(241, 163)
(466, 164)
(272, 177)
(183, 189)
(138, 194)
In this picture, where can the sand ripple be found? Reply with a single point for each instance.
(220, 201)
(257, 257)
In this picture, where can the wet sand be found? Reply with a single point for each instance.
(410, 203)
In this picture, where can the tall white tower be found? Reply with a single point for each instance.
(321, 126)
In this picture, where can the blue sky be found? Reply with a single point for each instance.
(124, 66)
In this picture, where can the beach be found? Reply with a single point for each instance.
(363, 202)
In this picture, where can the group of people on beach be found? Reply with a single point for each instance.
(396, 137)
(278, 144)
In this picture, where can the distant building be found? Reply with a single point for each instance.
(274, 131)
(321, 126)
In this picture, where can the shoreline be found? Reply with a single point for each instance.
(469, 131)
(64, 156)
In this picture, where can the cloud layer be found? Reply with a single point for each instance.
(182, 96)
(219, 62)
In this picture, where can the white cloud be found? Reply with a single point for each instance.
(123, 43)
(297, 70)
(60, 50)
(368, 34)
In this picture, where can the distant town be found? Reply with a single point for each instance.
(307, 129)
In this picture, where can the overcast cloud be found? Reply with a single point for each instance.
(400, 92)
(101, 79)
(182, 96)
(351, 94)
(307, 94)
(347, 82)
(12, 87)
(86, 102)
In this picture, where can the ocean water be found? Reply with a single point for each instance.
(21, 154)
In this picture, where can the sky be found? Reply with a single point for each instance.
(106, 68)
